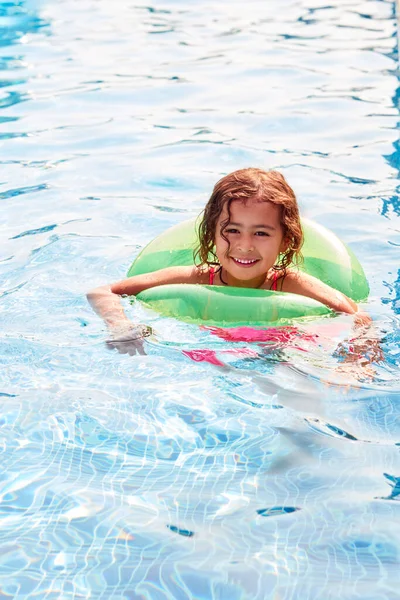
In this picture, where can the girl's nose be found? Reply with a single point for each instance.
(246, 244)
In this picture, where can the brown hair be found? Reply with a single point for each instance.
(243, 185)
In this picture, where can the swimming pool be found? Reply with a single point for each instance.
(163, 476)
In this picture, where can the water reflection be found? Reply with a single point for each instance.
(16, 20)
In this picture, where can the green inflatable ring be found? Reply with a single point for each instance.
(325, 257)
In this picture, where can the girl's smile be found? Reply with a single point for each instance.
(250, 242)
(245, 263)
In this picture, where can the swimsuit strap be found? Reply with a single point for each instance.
(277, 277)
(211, 274)
(274, 285)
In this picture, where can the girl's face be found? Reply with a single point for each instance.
(255, 238)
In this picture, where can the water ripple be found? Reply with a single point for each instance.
(23, 190)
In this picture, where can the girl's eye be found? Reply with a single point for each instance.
(262, 233)
(231, 230)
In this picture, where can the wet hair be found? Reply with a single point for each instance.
(244, 185)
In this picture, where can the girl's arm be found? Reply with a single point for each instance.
(359, 352)
(297, 282)
(106, 302)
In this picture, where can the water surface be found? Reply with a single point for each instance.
(160, 476)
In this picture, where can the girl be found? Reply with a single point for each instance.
(251, 229)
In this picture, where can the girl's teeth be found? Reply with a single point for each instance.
(245, 262)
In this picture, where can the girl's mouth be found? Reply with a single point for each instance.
(244, 262)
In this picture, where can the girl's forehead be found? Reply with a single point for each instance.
(252, 209)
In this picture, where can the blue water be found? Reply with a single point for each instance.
(277, 475)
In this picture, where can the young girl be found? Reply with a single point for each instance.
(251, 229)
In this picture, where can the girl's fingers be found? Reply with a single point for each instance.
(362, 319)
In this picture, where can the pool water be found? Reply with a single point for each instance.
(207, 468)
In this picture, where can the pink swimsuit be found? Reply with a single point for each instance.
(273, 287)
(211, 275)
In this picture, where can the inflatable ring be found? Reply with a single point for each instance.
(325, 257)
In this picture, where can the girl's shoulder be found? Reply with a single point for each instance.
(205, 274)
(291, 278)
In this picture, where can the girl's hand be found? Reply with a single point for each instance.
(358, 354)
(128, 339)
(362, 319)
